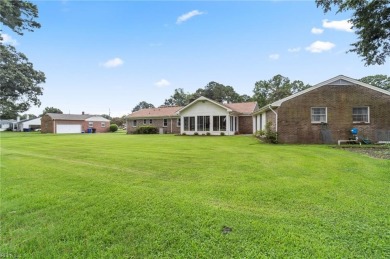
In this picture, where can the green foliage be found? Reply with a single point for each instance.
(142, 105)
(19, 82)
(371, 23)
(19, 15)
(162, 196)
(381, 81)
(222, 133)
(196, 133)
(51, 110)
(120, 121)
(113, 127)
(278, 87)
(146, 130)
(267, 135)
(179, 98)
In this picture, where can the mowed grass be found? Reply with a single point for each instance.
(164, 196)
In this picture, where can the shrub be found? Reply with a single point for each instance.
(113, 127)
(268, 135)
(196, 133)
(208, 133)
(146, 130)
(183, 134)
(222, 133)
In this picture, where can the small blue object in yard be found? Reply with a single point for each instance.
(354, 131)
(90, 130)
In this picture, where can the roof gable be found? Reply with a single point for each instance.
(243, 108)
(204, 99)
(338, 80)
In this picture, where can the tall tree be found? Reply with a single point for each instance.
(276, 88)
(218, 92)
(30, 116)
(371, 21)
(142, 105)
(179, 98)
(19, 81)
(381, 81)
(51, 110)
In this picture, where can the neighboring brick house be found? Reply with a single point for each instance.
(201, 116)
(326, 113)
(73, 123)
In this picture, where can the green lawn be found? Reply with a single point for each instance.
(164, 196)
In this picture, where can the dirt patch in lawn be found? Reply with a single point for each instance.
(380, 152)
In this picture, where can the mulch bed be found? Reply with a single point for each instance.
(380, 152)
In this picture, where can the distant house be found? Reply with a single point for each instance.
(28, 124)
(201, 116)
(73, 123)
(6, 124)
(326, 113)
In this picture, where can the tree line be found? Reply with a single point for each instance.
(264, 91)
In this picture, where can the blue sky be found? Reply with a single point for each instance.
(101, 56)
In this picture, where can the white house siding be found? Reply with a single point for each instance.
(259, 121)
(206, 108)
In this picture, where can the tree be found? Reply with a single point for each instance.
(120, 121)
(51, 110)
(276, 88)
(30, 116)
(381, 81)
(179, 98)
(218, 92)
(19, 81)
(108, 117)
(142, 105)
(371, 21)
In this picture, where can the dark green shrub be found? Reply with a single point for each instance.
(113, 127)
(146, 130)
(222, 133)
(208, 133)
(196, 133)
(183, 134)
(267, 135)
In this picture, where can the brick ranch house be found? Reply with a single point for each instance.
(326, 113)
(201, 116)
(73, 123)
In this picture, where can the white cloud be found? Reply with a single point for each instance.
(315, 30)
(7, 39)
(115, 62)
(162, 83)
(320, 46)
(274, 56)
(294, 49)
(343, 25)
(188, 16)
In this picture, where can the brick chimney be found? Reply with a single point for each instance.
(82, 113)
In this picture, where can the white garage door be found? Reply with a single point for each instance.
(68, 128)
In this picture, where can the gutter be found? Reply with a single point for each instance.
(276, 123)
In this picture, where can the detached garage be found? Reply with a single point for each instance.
(73, 123)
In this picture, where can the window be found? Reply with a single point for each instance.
(219, 123)
(165, 123)
(360, 114)
(144, 121)
(90, 124)
(150, 121)
(103, 125)
(319, 115)
(203, 123)
(134, 123)
(178, 122)
(189, 123)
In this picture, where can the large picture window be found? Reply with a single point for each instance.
(189, 123)
(319, 115)
(219, 123)
(360, 114)
(203, 123)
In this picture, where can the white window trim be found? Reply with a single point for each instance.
(103, 124)
(164, 126)
(319, 122)
(150, 121)
(177, 122)
(145, 121)
(90, 124)
(134, 123)
(368, 115)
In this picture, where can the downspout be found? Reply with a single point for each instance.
(276, 123)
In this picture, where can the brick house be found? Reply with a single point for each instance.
(326, 113)
(201, 116)
(73, 123)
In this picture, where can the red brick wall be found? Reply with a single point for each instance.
(96, 125)
(159, 123)
(294, 116)
(245, 124)
(47, 124)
